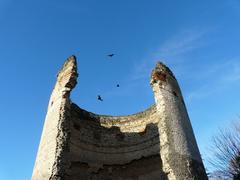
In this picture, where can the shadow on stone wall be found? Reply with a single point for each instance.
(106, 153)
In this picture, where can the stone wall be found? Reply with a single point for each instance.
(178, 147)
(52, 160)
(156, 144)
(115, 147)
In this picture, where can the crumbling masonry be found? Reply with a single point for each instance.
(156, 144)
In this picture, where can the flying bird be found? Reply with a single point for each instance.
(99, 98)
(111, 55)
(118, 85)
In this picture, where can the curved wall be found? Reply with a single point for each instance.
(107, 145)
(155, 144)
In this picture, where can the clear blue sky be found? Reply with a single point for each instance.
(198, 40)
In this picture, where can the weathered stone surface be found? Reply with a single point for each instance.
(178, 147)
(157, 143)
(52, 159)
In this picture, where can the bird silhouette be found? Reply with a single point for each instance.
(118, 85)
(111, 55)
(99, 98)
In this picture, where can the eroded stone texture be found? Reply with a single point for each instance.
(114, 147)
(157, 143)
(52, 159)
(178, 147)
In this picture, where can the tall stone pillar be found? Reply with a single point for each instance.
(52, 157)
(178, 147)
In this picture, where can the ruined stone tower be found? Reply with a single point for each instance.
(156, 144)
